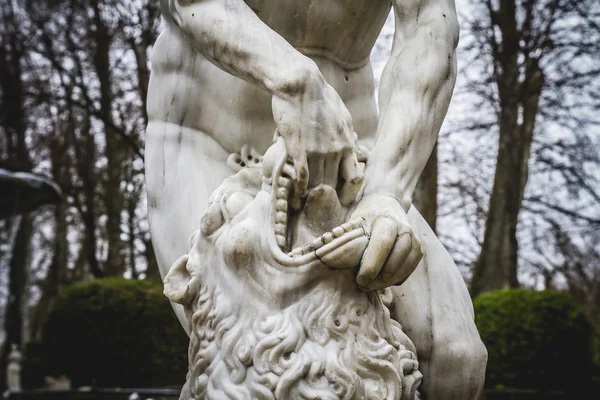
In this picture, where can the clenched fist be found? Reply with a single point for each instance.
(394, 251)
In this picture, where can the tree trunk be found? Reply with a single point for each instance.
(143, 74)
(496, 267)
(113, 198)
(56, 276)
(132, 202)
(519, 94)
(425, 194)
(85, 154)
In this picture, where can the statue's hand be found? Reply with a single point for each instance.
(319, 138)
(394, 251)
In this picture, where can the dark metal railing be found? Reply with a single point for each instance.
(95, 394)
(171, 394)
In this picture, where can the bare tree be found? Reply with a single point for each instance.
(97, 51)
(73, 86)
(533, 78)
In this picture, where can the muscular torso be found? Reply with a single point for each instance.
(342, 30)
(188, 90)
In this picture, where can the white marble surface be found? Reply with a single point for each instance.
(292, 247)
(267, 323)
(13, 369)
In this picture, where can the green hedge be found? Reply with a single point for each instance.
(115, 333)
(539, 340)
(33, 367)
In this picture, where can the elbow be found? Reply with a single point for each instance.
(173, 10)
(170, 12)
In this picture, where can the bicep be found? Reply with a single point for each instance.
(432, 22)
(423, 53)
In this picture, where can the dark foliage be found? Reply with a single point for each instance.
(33, 366)
(115, 333)
(535, 340)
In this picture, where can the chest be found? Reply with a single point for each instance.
(346, 28)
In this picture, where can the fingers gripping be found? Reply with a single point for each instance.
(392, 255)
(403, 259)
(383, 236)
(351, 178)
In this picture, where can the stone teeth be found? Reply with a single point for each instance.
(347, 227)
(296, 252)
(357, 223)
(338, 231)
(280, 240)
(327, 237)
(281, 217)
(282, 205)
(280, 229)
(283, 182)
(282, 193)
(307, 249)
(317, 243)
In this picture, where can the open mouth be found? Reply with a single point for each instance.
(341, 247)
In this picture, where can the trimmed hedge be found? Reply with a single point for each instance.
(115, 333)
(33, 367)
(539, 340)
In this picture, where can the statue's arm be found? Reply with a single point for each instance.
(308, 113)
(231, 36)
(415, 91)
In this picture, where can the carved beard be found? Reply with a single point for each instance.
(269, 326)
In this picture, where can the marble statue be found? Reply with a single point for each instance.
(13, 369)
(279, 198)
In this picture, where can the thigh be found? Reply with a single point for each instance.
(435, 310)
(183, 168)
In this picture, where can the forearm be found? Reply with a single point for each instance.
(230, 35)
(415, 92)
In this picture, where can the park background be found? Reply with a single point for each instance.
(512, 190)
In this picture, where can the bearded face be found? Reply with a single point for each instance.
(272, 303)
